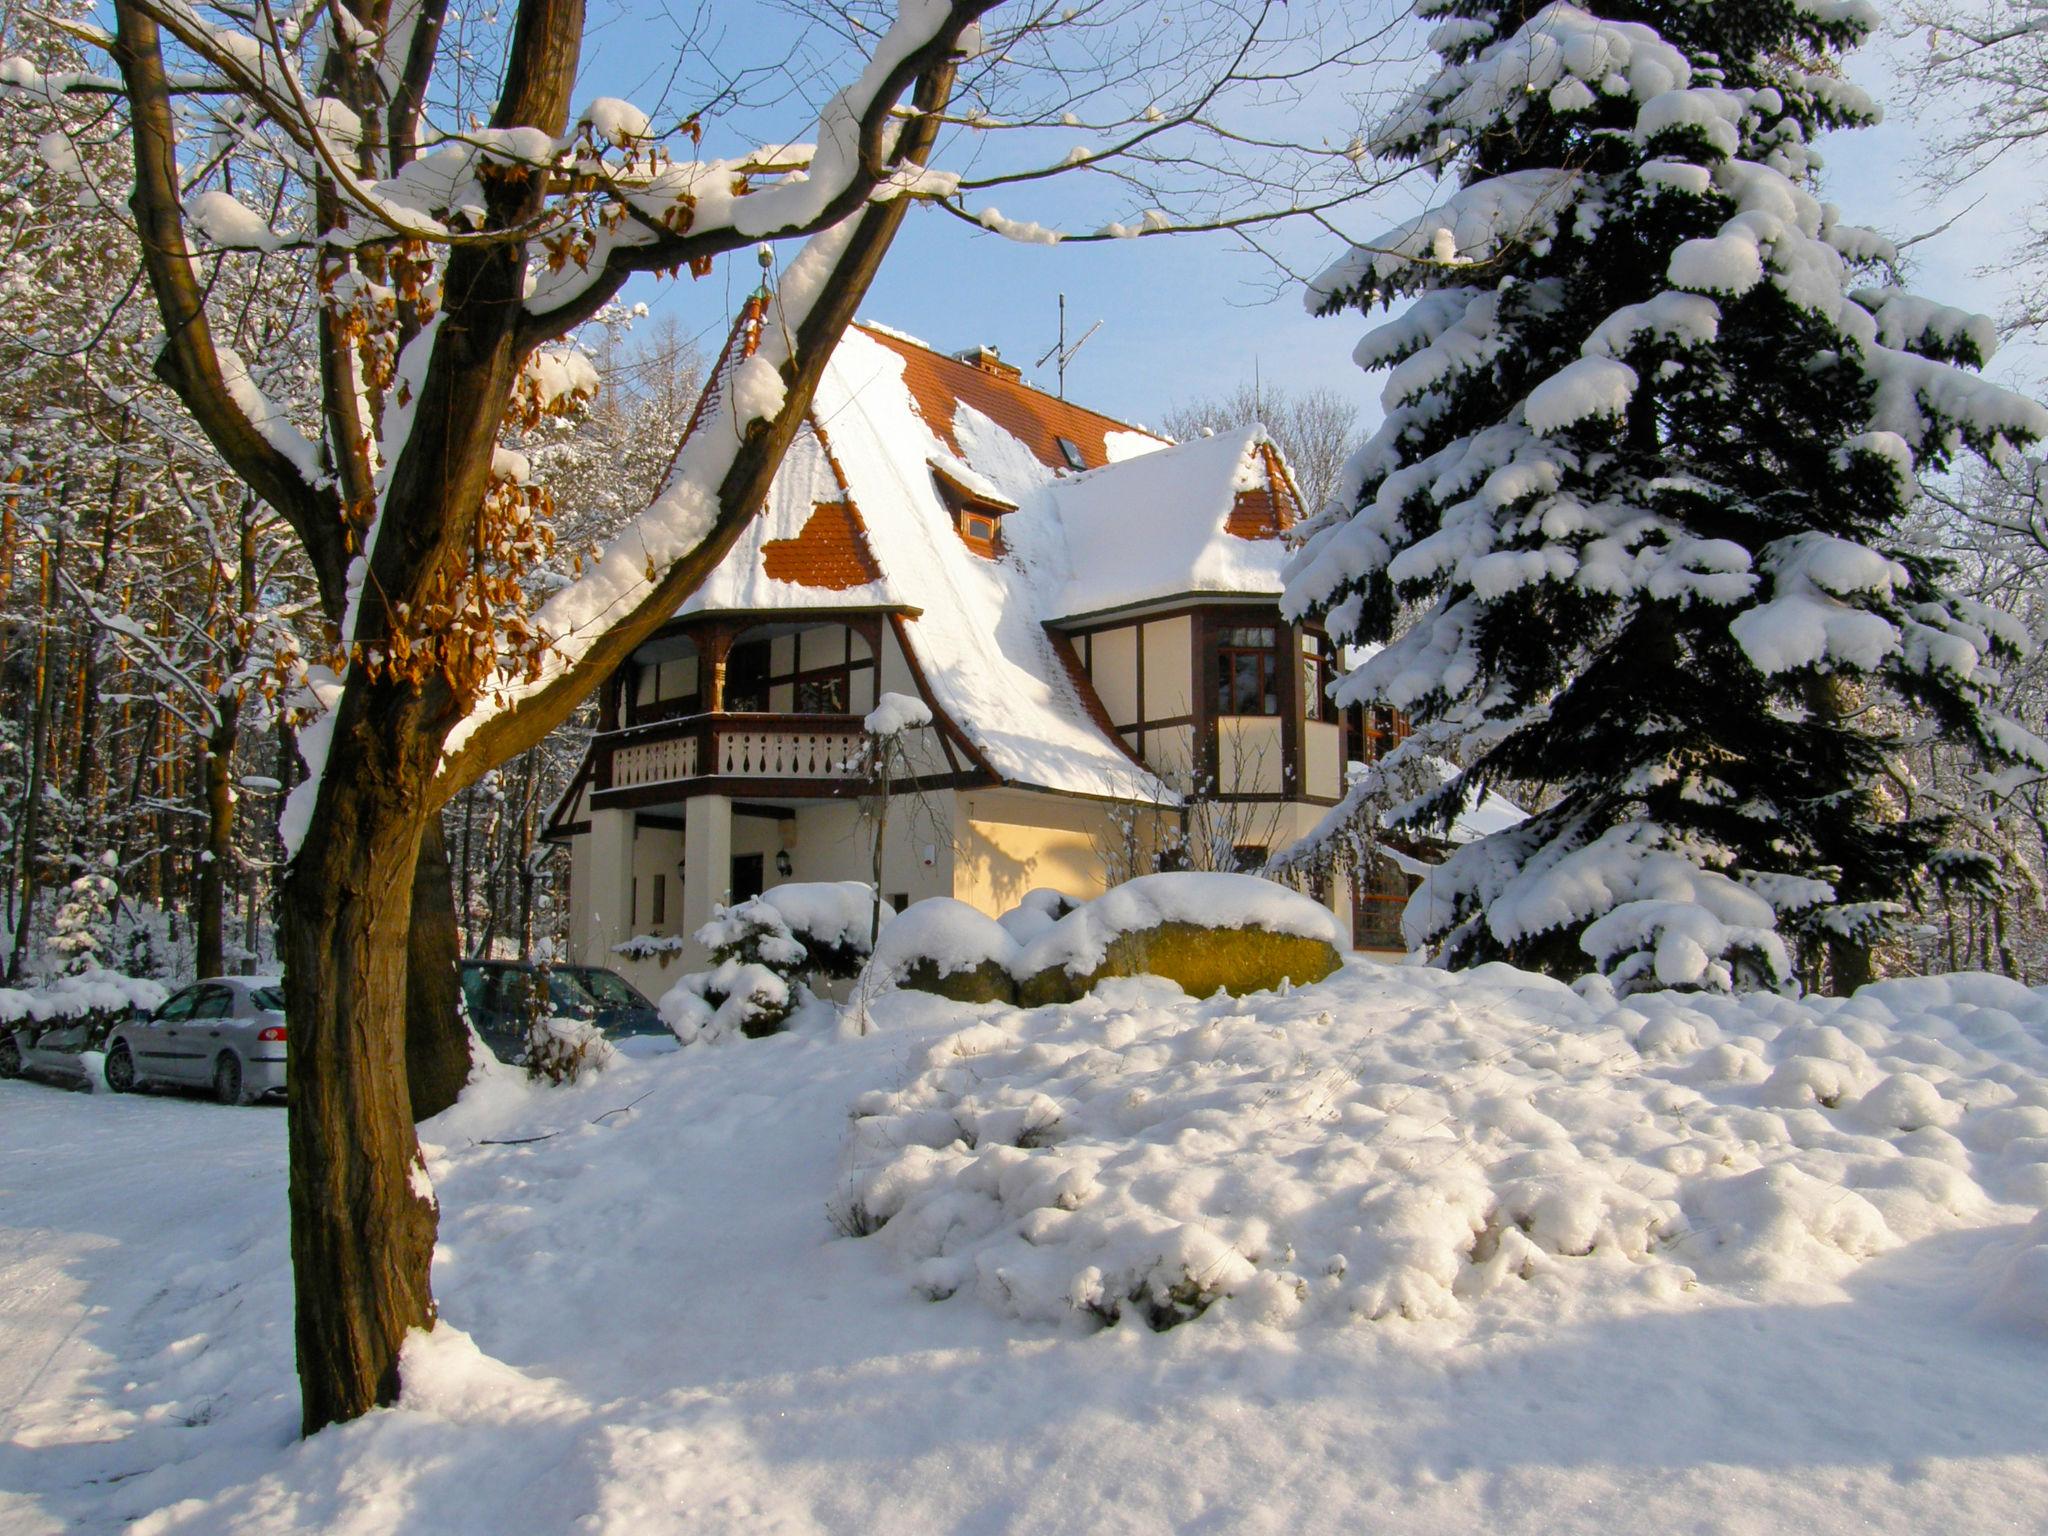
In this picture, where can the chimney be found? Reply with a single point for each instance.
(989, 360)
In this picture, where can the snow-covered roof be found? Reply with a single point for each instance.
(1160, 525)
(857, 517)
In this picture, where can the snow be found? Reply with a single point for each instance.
(648, 1323)
(68, 997)
(1152, 526)
(829, 912)
(224, 220)
(895, 713)
(1589, 386)
(950, 934)
(619, 122)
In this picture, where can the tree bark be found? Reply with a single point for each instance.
(362, 1218)
(436, 1043)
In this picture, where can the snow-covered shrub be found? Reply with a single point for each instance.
(649, 946)
(1242, 933)
(1411, 1143)
(763, 951)
(1036, 911)
(946, 947)
(562, 1050)
(734, 997)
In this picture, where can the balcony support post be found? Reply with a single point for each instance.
(608, 897)
(707, 863)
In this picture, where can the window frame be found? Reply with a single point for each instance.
(1268, 687)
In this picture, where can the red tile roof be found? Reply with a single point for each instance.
(1270, 510)
(938, 382)
(831, 551)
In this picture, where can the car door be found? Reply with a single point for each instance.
(231, 1026)
(157, 1041)
(200, 1034)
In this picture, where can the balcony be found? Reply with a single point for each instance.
(795, 754)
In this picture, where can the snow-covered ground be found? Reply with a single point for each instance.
(650, 1322)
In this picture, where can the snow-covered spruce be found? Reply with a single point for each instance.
(763, 950)
(1653, 419)
(1402, 1142)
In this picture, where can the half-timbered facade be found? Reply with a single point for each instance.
(1091, 613)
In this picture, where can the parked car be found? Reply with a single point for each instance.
(502, 997)
(224, 1033)
(54, 1052)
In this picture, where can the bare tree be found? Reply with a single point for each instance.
(453, 262)
(1983, 81)
(1316, 429)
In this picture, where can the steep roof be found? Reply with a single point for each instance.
(857, 518)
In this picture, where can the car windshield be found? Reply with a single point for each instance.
(610, 990)
(268, 999)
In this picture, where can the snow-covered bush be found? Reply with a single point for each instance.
(562, 1050)
(946, 947)
(764, 950)
(1036, 911)
(1403, 1142)
(734, 997)
(1241, 933)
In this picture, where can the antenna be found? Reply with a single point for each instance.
(1061, 350)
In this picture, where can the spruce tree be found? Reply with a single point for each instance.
(1633, 525)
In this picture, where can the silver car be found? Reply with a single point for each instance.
(226, 1033)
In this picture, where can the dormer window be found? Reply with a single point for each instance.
(976, 514)
(1071, 452)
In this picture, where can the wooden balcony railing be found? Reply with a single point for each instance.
(785, 747)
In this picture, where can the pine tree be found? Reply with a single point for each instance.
(1653, 428)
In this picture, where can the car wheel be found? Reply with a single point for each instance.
(120, 1069)
(10, 1055)
(227, 1080)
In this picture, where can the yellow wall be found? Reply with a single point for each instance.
(1013, 841)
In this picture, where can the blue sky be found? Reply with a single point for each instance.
(1190, 315)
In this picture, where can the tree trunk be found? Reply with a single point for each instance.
(362, 1218)
(209, 922)
(1850, 965)
(32, 799)
(436, 1043)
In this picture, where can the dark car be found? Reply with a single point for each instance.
(503, 997)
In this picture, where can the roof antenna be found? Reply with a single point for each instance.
(1062, 351)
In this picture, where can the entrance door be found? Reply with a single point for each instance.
(748, 877)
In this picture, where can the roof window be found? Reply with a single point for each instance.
(1071, 452)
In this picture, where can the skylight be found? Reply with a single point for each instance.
(1071, 452)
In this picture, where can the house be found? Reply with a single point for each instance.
(1090, 612)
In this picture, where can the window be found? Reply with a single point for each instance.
(822, 693)
(214, 1003)
(660, 912)
(1071, 452)
(898, 900)
(746, 678)
(1371, 731)
(754, 681)
(1248, 670)
(179, 1008)
(268, 999)
(1315, 678)
(1377, 905)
